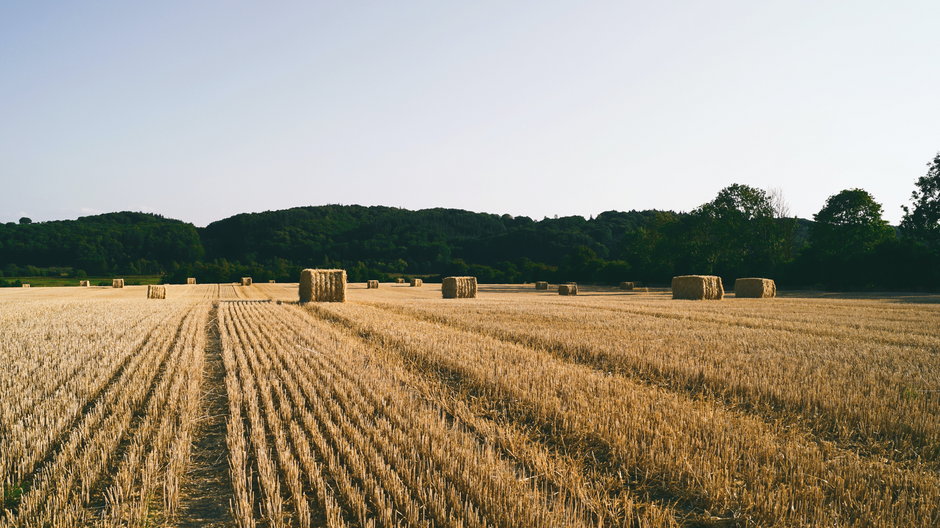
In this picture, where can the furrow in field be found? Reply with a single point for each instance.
(731, 464)
(847, 394)
(63, 485)
(393, 461)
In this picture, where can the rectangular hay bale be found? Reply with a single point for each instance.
(541, 285)
(372, 284)
(628, 286)
(459, 287)
(322, 285)
(246, 281)
(755, 288)
(156, 292)
(191, 280)
(416, 283)
(84, 283)
(399, 280)
(697, 287)
(25, 285)
(568, 289)
(117, 283)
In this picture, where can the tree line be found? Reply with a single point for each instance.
(742, 231)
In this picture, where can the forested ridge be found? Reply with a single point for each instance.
(743, 231)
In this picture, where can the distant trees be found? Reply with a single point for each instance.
(850, 224)
(921, 222)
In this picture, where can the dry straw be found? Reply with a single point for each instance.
(246, 281)
(541, 285)
(84, 283)
(323, 285)
(627, 286)
(755, 288)
(117, 283)
(416, 283)
(156, 292)
(271, 281)
(459, 287)
(399, 280)
(568, 289)
(191, 280)
(372, 284)
(697, 287)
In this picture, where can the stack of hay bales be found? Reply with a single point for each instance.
(568, 289)
(628, 286)
(697, 287)
(459, 287)
(84, 283)
(399, 280)
(117, 283)
(541, 285)
(156, 292)
(191, 280)
(755, 288)
(416, 283)
(323, 285)
(246, 281)
(372, 284)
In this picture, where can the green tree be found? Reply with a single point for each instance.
(736, 233)
(850, 224)
(922, 221)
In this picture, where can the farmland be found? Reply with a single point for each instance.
(228, 405)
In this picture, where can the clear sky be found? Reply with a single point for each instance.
(200, 110)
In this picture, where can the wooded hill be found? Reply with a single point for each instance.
(735, 235)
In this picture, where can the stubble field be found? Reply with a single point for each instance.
(221, 406)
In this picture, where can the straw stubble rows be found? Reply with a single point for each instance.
(403, 409)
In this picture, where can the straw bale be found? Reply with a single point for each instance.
(191, 280)
(416, 283)
(246, 281)
(372, 284)
(399, 280)
(459, 287)
(323, 285)
(755, 288)
(117, 283)
(156, 292)
(541, 285)
(627, 286)
(271, 281)
(25, 285)
(84, 283)
(568, 289)
(697, 287)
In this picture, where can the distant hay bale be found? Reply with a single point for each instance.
(628, 286)
(755, 288)
(697, 287)
(25, 285)
(459, 287)
(191, 280)
(84, 283)
(416, 283)
(568, 289)
(399, 280)
(156, 292)
(271, 281)
(323, 285)
(246, 281)
(541, 285)
(117, 283)
(372, 284)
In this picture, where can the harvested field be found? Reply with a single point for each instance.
(518, 407)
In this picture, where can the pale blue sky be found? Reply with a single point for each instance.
(199, 110)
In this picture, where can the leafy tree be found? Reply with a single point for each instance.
(850, 224)
(922, 222)
(25, 221)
